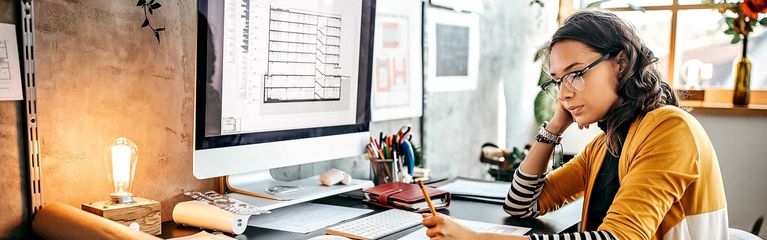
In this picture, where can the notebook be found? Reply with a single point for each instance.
(406, 196)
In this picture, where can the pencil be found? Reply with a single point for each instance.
(428, 199)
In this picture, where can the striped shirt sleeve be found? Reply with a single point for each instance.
(592, 235)
(522, 199)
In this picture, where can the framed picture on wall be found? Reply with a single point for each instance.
(475, 6)
(397, 62)
(453, 50)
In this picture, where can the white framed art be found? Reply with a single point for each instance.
(397, 90)
(452, 49)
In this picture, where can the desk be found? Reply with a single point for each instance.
(562, 220)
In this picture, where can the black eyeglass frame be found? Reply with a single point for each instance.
(577, 73)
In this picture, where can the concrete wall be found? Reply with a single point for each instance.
(100, 76)
(456, 124)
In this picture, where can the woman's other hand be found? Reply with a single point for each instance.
(445, 227)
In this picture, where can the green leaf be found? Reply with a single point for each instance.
(735, 39)
(543, 77)
(763, 21)
(730, 21)
(544, 107)
(146, 23)
(729, 31)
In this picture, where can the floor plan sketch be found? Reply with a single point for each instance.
(304, 57)
(10, 68)
(5, 66)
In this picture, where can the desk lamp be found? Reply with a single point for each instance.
(137, 213)
(122, 156)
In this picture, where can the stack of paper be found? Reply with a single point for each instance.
(478, 189)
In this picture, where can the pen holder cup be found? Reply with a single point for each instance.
(382, 171)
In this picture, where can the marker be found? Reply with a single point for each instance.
(428, 199)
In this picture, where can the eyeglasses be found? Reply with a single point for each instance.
(573, 80)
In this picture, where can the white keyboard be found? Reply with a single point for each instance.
(377, 225)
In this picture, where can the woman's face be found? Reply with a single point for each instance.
(601, 81)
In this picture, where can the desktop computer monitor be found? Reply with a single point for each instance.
(281, 83)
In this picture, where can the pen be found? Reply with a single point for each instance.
(428, 199)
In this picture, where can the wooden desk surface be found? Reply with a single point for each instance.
(558, 221)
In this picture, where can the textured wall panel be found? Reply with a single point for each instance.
(100, 76)
(11, 200)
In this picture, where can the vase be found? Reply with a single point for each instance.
(742, 74)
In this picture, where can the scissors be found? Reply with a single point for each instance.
(403, 133)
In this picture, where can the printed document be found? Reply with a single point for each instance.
(477, 188)
(10, 75)
(420, 234)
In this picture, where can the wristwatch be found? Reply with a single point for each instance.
(547, 137)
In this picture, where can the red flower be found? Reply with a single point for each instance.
(752, 8)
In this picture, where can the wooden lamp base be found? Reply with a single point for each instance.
(143, 214)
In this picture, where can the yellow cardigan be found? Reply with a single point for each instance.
(670, 182)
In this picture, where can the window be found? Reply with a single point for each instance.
(688, 38)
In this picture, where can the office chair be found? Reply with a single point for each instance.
(737, 234)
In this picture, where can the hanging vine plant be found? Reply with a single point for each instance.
(149, 7)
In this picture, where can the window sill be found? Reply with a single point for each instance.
(711, 108)
(719, 102)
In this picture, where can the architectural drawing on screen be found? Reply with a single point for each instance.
(304, 57)
(288, 64)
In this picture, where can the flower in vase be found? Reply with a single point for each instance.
(747, 16)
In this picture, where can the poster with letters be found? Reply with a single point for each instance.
(397, 64)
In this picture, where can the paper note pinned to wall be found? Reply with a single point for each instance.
(10, 76)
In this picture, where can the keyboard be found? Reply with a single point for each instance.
(377, 225)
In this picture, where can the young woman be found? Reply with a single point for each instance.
(652, 174)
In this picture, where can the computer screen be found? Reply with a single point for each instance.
(281, 83)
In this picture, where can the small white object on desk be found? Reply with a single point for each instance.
(334, 176)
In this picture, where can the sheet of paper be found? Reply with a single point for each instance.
(305, 217)
(496, 190)
(10, 76)
(476, 226)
